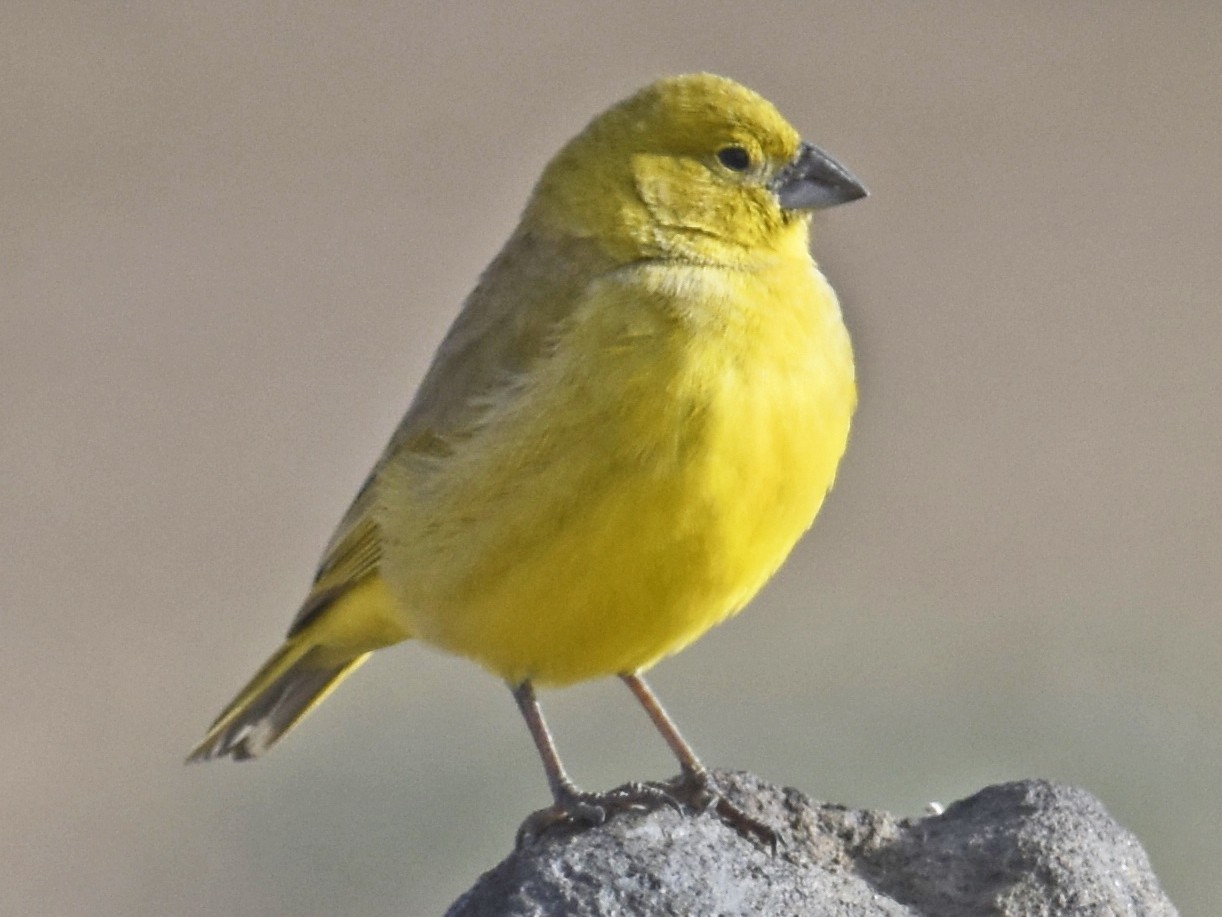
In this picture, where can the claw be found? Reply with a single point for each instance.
(699, 790)
(644, 797)
(694, 792)
(579, 809)
(575, 813)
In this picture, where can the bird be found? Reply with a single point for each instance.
(634, 417)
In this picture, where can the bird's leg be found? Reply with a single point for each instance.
(564, 791)
(696, 787)
(693, 770)
(569, 803)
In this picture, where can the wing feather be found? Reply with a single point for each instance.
(505, 326)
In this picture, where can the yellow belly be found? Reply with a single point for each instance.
(604, 519)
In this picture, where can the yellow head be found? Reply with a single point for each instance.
(696, 168)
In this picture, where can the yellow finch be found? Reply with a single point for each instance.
(634, 417)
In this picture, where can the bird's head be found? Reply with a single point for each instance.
(693, 167)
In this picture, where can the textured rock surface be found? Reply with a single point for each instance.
(1029, 848)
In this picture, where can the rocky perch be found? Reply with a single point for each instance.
(1027, 848)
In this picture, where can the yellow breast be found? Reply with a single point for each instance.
(638, 487)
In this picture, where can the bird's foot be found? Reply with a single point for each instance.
(698, 790)
(579, 809)
(694, 792)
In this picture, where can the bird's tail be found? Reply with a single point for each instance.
(291, 684)
(326, 644)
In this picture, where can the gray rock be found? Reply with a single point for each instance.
(1029, 848)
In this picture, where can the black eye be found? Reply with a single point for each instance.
(734, 158)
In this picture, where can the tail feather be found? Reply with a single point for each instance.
(335, 632)
(291, 684)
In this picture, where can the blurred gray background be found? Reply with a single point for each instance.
(231, 235)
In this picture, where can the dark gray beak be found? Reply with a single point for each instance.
(814, 181)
